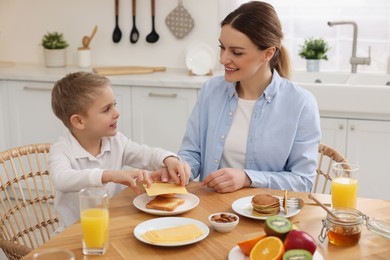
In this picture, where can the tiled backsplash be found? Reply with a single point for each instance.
(302, 19)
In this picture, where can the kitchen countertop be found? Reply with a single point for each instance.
(343, 101)
(172, 77)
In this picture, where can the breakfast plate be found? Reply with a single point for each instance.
(244, 207)
(168, 222)
(200, 59)
(237, 254)
(190, 202)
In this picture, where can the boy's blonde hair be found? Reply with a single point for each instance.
(74, 93)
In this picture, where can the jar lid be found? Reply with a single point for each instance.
(379, 226)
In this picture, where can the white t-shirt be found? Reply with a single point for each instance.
(72, 168)
(235, 143)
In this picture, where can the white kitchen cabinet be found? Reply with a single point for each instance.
(3, 114)
(369, 146)
(31, 120)
(160, 115)
(334, 133)
(30, 117)
(366, 143)
(123, 105)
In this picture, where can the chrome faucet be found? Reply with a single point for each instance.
(354, 60)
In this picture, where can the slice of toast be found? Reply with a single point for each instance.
(167, 195)
(165, 203)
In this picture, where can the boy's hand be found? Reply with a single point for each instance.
(176, 171)
(128, 178)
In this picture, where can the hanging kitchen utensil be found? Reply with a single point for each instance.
(153, 36)
(179, 21)
(117, 34)
(134, 34)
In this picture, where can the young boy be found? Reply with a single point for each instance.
(94, 152)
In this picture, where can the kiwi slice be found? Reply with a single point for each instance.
(277, 226)
(297, 254)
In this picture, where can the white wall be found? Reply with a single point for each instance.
(24, 22)
(307, 18)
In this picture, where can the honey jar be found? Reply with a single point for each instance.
(345, 230)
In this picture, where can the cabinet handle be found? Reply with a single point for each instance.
(341, 127)
(36, 88)
(151, 94)
(352, 127)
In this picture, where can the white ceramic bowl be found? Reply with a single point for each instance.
(224, 227)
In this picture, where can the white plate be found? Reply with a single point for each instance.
(168, 222)
(200, 59)
(237, 254)
(244, 207)
(191, 201)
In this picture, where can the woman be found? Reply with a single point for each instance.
(253, 127)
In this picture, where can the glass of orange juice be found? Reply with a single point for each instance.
(344, 185)
(94, 220)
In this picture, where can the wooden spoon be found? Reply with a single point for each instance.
(87, 40)
(310, 196)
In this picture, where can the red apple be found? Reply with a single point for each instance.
(297, 239)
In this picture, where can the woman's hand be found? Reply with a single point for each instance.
(176, 171)
(227, 180)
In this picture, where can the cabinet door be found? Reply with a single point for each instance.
(123, 105)
(31, 119)
(160, 115)
(369, 147)
(4, 134)
(334, 133)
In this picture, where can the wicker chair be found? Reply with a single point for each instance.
(327, 156)
(26, 196)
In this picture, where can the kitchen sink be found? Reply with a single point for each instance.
(370, 79)
(356, 92)
(302, 77)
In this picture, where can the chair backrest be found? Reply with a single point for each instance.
(27, 196)
(327, 156)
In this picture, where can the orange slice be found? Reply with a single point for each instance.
(269, 248)
(247, 245)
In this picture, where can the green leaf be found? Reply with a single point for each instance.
(314, 48)
(54, 40)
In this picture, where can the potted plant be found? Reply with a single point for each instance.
(314, 50)
(54, 47)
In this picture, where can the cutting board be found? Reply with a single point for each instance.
(127, 70)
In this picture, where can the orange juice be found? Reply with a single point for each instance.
(344, 192)
(94, 224)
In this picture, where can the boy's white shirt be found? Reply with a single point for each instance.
(72, 168)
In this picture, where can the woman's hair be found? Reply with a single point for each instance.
(74, 93)
(260, 23)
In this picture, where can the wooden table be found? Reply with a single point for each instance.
(124, 217)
